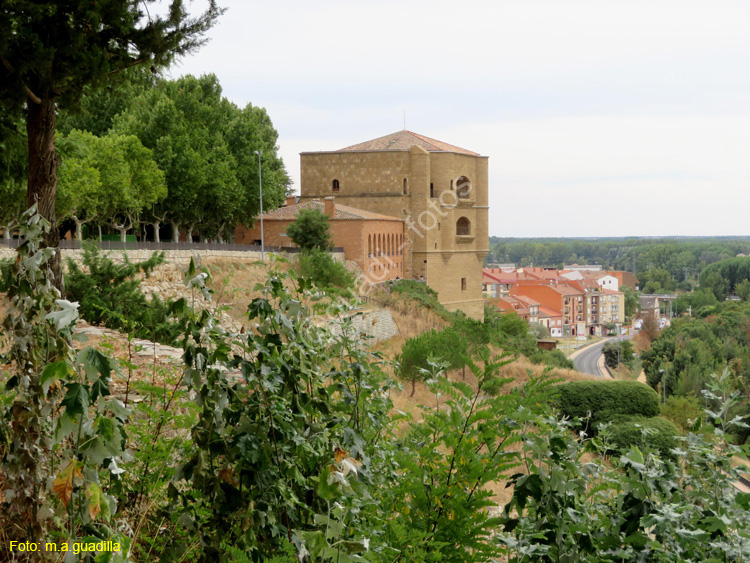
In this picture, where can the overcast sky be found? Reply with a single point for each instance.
(600, 117)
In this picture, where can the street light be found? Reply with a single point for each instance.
(260, 183)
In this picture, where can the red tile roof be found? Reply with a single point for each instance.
(342, 212)
(403, 141)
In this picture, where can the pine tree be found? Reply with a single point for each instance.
(50, 51)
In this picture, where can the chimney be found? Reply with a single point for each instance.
(291, 200)
(330, 206)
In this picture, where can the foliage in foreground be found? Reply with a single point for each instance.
(286, 450)
(62, 434)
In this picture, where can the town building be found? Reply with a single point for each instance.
(371, 240)
(439, 190)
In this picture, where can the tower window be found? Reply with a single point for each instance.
(405, 186)
(463, 284)
(463, 227)
(335, 185)
(464, 188)
(432, 189)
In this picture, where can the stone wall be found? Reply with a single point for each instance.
(378, 325)
(180, 257)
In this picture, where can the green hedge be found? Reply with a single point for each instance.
(606, 399)
(654, 433)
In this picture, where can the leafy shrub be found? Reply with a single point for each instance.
(422, 294)
(682, 411)
(448, 346)
(555, 358)
(621, 351)
(310, 230)
(603, 400)
(539, 331)
(110, 295)
(321, 268)
(655, 433)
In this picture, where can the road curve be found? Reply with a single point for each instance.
(587, 359)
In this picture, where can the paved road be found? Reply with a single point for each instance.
(586, 361)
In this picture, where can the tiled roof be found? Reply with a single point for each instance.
(527, 300)
(546, 311)
(290, 212)
(403, 141)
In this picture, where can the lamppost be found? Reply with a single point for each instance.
(260, 183)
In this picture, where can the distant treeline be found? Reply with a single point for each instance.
(669, 261)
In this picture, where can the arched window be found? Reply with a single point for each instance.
(369, 245)
(335, 185)
(463, 188)
(463, 227)
(405, 186)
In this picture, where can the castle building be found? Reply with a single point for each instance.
(370, 240)
(438, 189)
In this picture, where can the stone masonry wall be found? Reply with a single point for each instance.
(180, 257)
(378, 325)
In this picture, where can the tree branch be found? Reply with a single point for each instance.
(34, 98)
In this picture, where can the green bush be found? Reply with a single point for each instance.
(310, 230)
(447, 345)
(603, 400)
(655, 433)
(109, 294)
(326, 272)
(422, 294)
(555, 358)
(682, 411)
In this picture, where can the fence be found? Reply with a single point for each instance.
(141, 245)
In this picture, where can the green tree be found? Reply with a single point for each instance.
(631, 301)
(205, 145)
(108, 178)
(50, 51)
(310, 230)
(12, 177)
(743, 290)
(715, 282)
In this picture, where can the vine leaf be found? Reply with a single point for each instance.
(66, 316)
(76, 400)
(63, 483)
(53, 372)
(97, 503)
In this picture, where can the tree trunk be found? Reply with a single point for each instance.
(156, 225)
(100, 232)
(413, 387)
(6, 233)
(43, 165)
(175, 231)
(79, 229)
(123, 232)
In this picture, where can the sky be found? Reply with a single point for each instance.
(599, 117)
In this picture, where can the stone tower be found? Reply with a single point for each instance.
(440, 190)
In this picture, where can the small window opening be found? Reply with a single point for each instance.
(463, 284)
(463, 227)
(335, 185)
(432, 189)
(405, 186)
